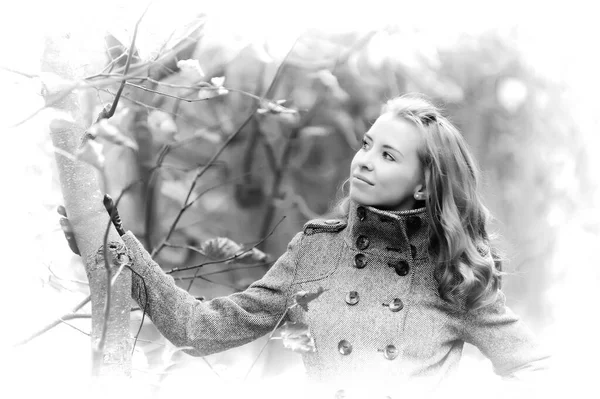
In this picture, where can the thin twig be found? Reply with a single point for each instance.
(27, 75)
(161, 156)
(129, 57)
(287, 150)
(189, 247)
(267, 343)
(99, 349)
(182, 269)
(145, 308)
(150, 194)
(150, 107)
(72, 326)
(193, 88)
(55, 322)
(76, 316)
(217, 154)
(64, 94)
(64, 279)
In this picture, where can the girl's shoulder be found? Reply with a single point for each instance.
(315, 226)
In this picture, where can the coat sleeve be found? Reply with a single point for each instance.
(503, 338)
(214, 325)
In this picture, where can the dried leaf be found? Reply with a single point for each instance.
(297, 337)
(302, 298)
(206, 93)
(218, 81)
(330, 83)
(250, 256)
(274, 107)
(190, 69)
(315, 131)
(162, 126)
(209, 135)
(109, 132)
(91, 153)
(327, 78)
(223, 248)
(220, 248)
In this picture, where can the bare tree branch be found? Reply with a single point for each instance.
(55, 322)
(129, 57)
(217, 154)
(175, 270)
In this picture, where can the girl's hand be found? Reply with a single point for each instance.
(67, 228)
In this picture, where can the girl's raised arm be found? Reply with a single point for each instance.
(221, 323)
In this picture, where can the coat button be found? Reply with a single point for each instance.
(401, 267)
(390, 352)
(344, 347)
(413, 223)
(396, 305)
(362, 242)
(361, 213)
(352, 298)
(413, 251)
(360, 261)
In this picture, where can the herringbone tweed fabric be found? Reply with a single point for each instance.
(380, 322)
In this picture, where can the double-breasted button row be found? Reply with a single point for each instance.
(360, 261)
(361, 213)
(362, 242)
(352, 298)
(390, 352)
(344, 347)
(395, 305)
(400, 266)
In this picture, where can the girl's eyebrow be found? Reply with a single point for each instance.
(389, 147)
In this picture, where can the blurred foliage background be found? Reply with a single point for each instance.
(513, 88)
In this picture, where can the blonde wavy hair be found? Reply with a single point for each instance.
(468, 269)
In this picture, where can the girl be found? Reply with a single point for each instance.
(406, 266)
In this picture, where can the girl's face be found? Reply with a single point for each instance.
(386, 172)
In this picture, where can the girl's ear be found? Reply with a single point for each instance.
(421, 193)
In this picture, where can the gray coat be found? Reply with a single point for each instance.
(380, 319)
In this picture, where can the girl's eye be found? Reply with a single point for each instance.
(364, 143)
(391, 158)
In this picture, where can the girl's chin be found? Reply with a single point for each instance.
(360, 199)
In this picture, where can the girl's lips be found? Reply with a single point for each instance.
(362, 180)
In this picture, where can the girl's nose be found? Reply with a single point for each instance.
(365, 163)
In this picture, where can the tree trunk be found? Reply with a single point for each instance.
(83, 202)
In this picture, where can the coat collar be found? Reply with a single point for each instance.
(401, 234)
